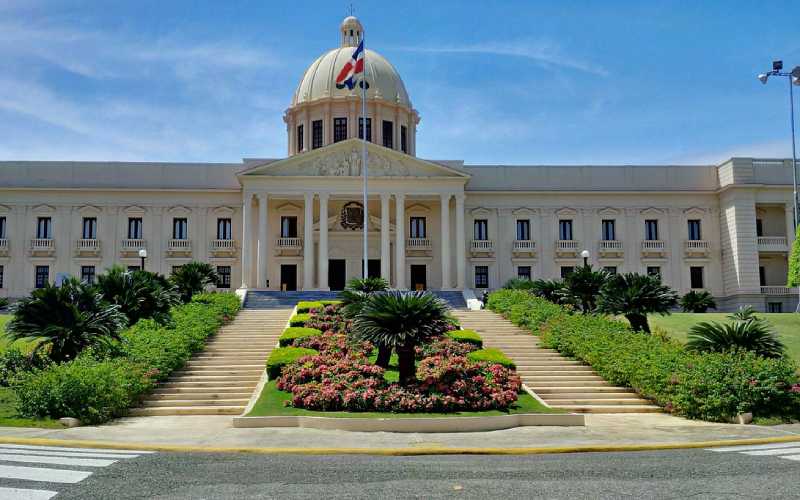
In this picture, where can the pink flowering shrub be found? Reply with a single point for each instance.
(446, 347)
(330, 342)
(329, 318)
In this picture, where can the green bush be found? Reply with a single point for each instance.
(709, 386)
(330, 302)
(282, 356)
(491, 355)
(697, 302)
(293, 333)
(305, 307)
(13, 362)
(467, 336)
(299, 319)
(523, 309)
(793, 276)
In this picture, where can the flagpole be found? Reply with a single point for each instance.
(364, 158)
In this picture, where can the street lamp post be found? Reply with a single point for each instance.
(142, 255)
(585, 254)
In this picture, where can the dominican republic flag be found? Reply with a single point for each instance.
(353, 67)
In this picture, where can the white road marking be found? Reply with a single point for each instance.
(65, 454)
(63, 448)
(754, 447)
(25, 494)
(43, 474)
(79, 462)
(792, 457)
(773, 452)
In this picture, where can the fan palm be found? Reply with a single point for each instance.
(193, 278)
(635, 296)
(752, 335)
(744, 313)
(65, 319)
(139, 294)
(552, 290)
(584, 285)
(353, 297)
(401, 320)
(697, 302)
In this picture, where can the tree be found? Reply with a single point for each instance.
(519, 284)
(193, 278)
(139, 294)
(401, 320)
(635, 296)
(753, 335)
(552, 290)
(584, 285)
(66, 319)
(353, 298)
(697, 302)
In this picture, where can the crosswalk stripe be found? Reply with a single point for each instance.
(66, 454)
(773, 452)
(43, 474)
(64, 448)
(80, 462)
(754, 447)
(25, 494)
(796, 458)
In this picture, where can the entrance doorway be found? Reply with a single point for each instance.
(373, 268)
(288, 277)
(418, 277)
(337, 274)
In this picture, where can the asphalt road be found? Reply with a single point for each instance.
(663, 474)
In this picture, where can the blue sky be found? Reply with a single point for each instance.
(562, 82)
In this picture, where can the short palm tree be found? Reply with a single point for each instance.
(552, 290)
(584, 285)
(635, 296)
(65, 319)
(139, 294)
(744, 313)
(401, 320)
(193, 278)
(697, 302)
(751, 335)
(519, 284)
(353, 298)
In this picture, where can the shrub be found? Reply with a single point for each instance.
(751, 335)
(697, 302)
(13, 362)
(330, 302)
(445, 347)
(3, 302)
(635, 296)
(293, 333)
(304, 307)
(299, 319)
(491, 355)
(467, 336)
(193, 278)
(793, 276)
(139, 294)
(519, 284)
(523, 309)
(283, 356)
(552, 290)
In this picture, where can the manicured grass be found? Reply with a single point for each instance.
(4, 342)
(271, 404)
(678, 324)
(9, 417)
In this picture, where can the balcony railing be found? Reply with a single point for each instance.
(133, 244)
(482, 246)
(43, 246)
(611, 247)
(418, 244)
(87, 246)
(179, 247)
(773, 244)
(696, 247)
(524, 246)
(567, 247)
(4, 246)
(289, 243)
(222, 247)
(778, 290)
(654, 247)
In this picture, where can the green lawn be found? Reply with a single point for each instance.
(786, 324)
(9, 417)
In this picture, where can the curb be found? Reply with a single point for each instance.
(408, 451)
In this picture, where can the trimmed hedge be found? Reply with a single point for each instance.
(293, 333)
(708, 386)
(299, 319)
(306, 306)
(330, 302)
(467, 336)
(491, 355)
(282, 356)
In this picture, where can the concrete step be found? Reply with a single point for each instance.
(610, 408)
(537, 379)
(190, 392)
(597, 401)
(230, 363)
(216, 378)
(536, 384)
(187, 410)
(207, 384)
(555, 370)
(594, 390)
(161, 403)
(192, 372)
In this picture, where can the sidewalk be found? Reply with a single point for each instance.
(601, 431)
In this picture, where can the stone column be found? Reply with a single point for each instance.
(385, 243)
(322, 268)
(247, 241)
(263, 237)
(445, 232)
(400, 241)
(461, 262)
(308, 242)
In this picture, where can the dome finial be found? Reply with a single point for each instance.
(352, 31)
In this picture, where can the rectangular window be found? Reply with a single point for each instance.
(565, 229)
(133, 268)
(339, 129)
(524, 272)
(654, 271)
(774, 307)
(361, 129)
(523, 230)
(180, 228)
(288, 226)
(609, 230)
(417, 229)
(316, 134)
(388, 134)
(566, 271)
(481, 230)
(223, 276)
(762, 276)
(759, 227)
(1, 276)
(651, 229)
(44, 230)
(610, 269)
(135, 228)
(2, 228)
(403, 139)
(42, 276)
(481, 276)
(87, 274)
(694, 230)
(89, 228)
(696, 277)
(300, 138)
(224, 229)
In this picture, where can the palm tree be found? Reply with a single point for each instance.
(193, 278)
(519, 284)
(697, 302)
(744, 313)
(353, 298)
(552, 290)
(139, 294)
(584, 285)
(752, 335)
(635, 296)
(401, 320)
(65, 319)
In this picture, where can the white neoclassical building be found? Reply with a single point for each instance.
(294, 223)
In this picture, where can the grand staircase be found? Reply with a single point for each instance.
(559, 381)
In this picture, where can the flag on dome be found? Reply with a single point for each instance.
(353, 67)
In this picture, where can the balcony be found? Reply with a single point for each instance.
(288, 246)
(482, 247)
(130, 247)
(179, 248)
(4, 247)
(42, 247)
(87, 247)
(524, 247)
(222, 248)
(568, 248)
(418, 246)
(610, 248)
(778, 290)
(773, 244)
(654, 248)
(696, 248)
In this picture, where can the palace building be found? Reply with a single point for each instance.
(295, 223)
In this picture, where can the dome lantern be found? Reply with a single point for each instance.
(352, 31)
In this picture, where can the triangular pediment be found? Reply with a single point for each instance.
(343, 159)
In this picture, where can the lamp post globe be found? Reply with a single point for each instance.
(585, 254)
(142, 255)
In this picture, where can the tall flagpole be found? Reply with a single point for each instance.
(364, 157)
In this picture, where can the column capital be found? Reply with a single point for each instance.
(400, 196)
(445, 197)
(460, 197)
(385, 197)
(308, 196)
(324, 196)
(263, 196)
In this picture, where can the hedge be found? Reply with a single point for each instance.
(708, 386)
(293, 333)
(305, 306)
(299, 319)
(98, 386)
(467, 336)
(491, 355)
(282, 356)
